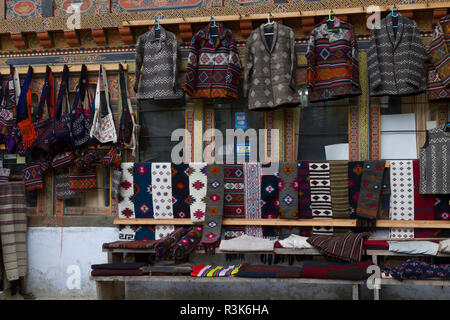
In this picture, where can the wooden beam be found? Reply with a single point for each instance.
(246, 28)
(127, 35)
(99, 36)
(293, 223)
(18, 40)
(70, 221)
(72, 38)
(45, 39)
(91, 67)
(185, 31)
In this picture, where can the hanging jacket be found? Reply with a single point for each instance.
(160, 62)
(213, 66)
(396, 63)
(332, 54)
(439, 61)
(270, 69)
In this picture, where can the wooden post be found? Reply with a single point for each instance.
(355, 291)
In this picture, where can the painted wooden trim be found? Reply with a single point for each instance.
(91, 67)
(70, 221)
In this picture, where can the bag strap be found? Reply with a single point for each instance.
(63, 90)
(81, 90)
(125, 102)
(24, 104)
(102, 78)
(47, 96)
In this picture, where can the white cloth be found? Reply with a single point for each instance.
(197, 190)
(247, 243)
(295, 242)
(444, 246)
(162, 197)
(414, 247)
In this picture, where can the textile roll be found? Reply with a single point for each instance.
(164, 245)
(187, 243)
(252, 200)
(233, 206)
(355, 170)
(143, 244)
(269, 201)
(204, 270)
(142, 182)
(335, 270)
(370, 193)
(162, 197)
(13, 229)
(197, 190)
(180, 190)
(339, 189)
(212, 226)
(402, 196)
(320, 194)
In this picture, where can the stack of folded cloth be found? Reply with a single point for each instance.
(376, 245)
(183, 269)
(118, 269)
(139, 244)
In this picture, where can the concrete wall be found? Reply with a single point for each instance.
(52, 250)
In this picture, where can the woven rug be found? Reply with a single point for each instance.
(288, 186)
(126, 191)
(252, 200)
(197, 190)
(13, 229)
(212, 226)
(371, 188)
(187, 243)
(143, 200)
(233, 206)
(304, 196)
(269, 201)
(355, 170)
(127, 232)
(320, 194)
(145, 233)
(180, 190)
(62, 181)
(402, 197)
(162, 197)
(339, 189)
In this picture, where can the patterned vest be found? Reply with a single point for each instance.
(434, 162)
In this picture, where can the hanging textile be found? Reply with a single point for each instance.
(82, 179)
(126, 191)
(197, 190)
(402, 197)
(162, 196)
(142, 182)
(145, 233)
(339, 189)
(332, 54)
(252, 199)
(269, 200)
(234, 206)
(127, 232)
(13, 229)
(386, 195)
(7, 118)
(13, 140)
(24, 121)
(180, 190)
(62, 181)
(212, 227)
(370, 194)
(304, 196)
(288, 190)
(61, 120)
(187, 244)
(355, 170)
(320, 194)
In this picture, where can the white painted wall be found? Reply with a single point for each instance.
(52, 250)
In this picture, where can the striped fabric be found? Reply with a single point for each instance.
(347, 247)
(320, 194)
(339, 189)
(252, 200)
(13, 229)
(206, 270)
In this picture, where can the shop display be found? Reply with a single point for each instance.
(396, 58)
(333, 67)
(159, 58)
(214, 65)
(270, 68)
(439, 61)
(434, 160)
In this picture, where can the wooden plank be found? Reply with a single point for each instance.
(287, 222)
(110, 290)
(390, 253)
(285, 15)
(70, 221)
(355, 291)
(425, 282)
(91, 67)
(281, 251)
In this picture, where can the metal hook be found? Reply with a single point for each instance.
(392, 13)
(157, 20)
(329, 15)
(214, 20)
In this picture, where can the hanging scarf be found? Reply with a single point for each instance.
(162, 197)
(269, 201)
(126, 191)
(402, 196)
(143, 200)
(214, 206)
(370, 195)
(164, 245)
(187, 244)
(320, 194)
(304, 196)
(252, 189)
(180, 190)
(233, 206)
(197, 190)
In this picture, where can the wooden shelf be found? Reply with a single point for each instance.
(292, 223)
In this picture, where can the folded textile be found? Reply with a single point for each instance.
(164, 246)
(187, 243)
(212, 227)
(414, 247)
(334, 270)
(117, 272)
(249, 271)
(444, 246)
(172, 269)
(204, 270)
(376, 245)
(295, 242)
(118, 266)
(347, 247)
(415, 269)
(247, 243)
(141, 244)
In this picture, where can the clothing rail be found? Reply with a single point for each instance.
(292, 223)
(284, 15)
(41, 69)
